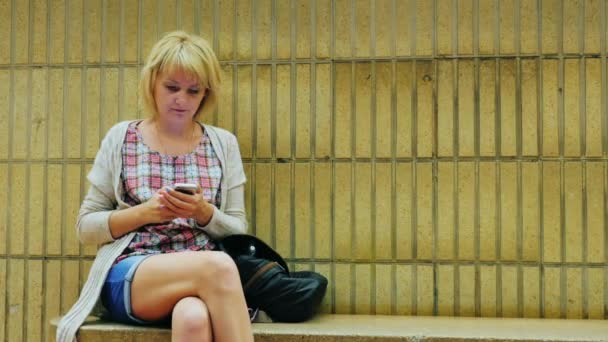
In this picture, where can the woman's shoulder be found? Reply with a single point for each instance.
(118, 130)
(120, 127)
(221, 134)
(218, 130)
(115, 135)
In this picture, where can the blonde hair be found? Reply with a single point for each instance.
(190, 53)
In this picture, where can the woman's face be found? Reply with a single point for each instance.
(177, 95)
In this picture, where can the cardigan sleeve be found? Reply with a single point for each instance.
(235, 175)
(92, 225)
(232, 220)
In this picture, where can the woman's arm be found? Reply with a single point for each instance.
(124, 221)
(99, 222)
(152, 211)
(232, 220)
(92, 224)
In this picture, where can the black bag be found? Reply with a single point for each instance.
(268, 285)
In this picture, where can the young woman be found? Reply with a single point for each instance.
(157, 262)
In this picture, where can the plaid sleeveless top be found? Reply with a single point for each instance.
(145, 171)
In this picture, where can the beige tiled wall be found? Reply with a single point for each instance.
(442, 157)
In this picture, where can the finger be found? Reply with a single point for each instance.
(168, 215)
(167, 202)
(177, 214)
(180, 195)
(188, 204)
(173, 205)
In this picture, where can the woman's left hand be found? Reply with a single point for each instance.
(188, 206)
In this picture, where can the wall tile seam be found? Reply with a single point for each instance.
(562, 228)
(323, 261)
(271, 61)
(605, 240)
(9, 176)
(27, 186)
(323, 160)
(584, 241)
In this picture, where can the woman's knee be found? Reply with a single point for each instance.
(190, 318)
(219, 270)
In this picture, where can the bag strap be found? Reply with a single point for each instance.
(259, 273)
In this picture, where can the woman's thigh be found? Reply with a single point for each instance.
(162, 280)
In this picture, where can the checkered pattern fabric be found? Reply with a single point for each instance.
(145, 171)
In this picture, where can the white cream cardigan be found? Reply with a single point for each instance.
(105, 195)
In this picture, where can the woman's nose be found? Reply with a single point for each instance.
(179, 97)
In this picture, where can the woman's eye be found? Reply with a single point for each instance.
(172, 88)
(193, 91)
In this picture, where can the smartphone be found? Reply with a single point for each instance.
(186, 188)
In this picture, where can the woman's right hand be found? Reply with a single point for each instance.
(155, 211)
(150, 212)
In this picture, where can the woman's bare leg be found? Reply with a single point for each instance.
(163, 280)
(190, 321)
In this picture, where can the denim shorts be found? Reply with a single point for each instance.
(116, 291)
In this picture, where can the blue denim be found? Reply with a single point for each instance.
(116, 291)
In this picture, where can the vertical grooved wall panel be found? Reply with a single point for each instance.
(488, 110)
(508, 211)
(466, 211)
(262, 201)
(383, 224)
(263, 29)
(323, 29)
(382, 34)
(5, 103)
(405, 210)
(263, 110)
(594, 108)
(6, 16)
(446, 206)
(488, 210)
(466, 100)
(404, 78)
(4, 210)
(445, 290)
(17, 209)
(186, 15)
(303, 111)
(3, 289)
(35, 221)
(486, 27)
(445, 108)
(16, 300)
(383, 296)
(303, 213)
(363, 226)
(507, 27)
(282, 208)
(424, 108)
(322, 212)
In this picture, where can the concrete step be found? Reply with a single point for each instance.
(360, 328)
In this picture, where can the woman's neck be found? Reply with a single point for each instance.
(174, 130)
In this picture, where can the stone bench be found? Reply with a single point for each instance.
(360, 328)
